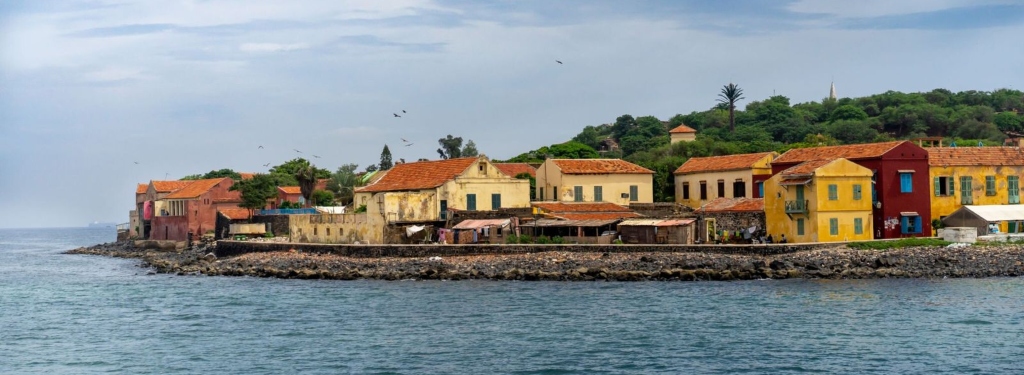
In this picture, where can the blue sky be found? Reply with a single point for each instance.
(88, 88)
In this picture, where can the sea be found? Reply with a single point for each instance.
(81, 314)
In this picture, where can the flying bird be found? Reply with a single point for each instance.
(136, 162)
(316, 156)
(396, 115)
(408, 144)
(403, 140)
(261, 146)
(403, 111)
(296, 150)
(558, 61)
(266, 165)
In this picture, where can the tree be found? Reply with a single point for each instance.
(451, 147)
(385, 159)
(307, 178)
(322, 198)
(589, 136)
(215, 174)
(623, 124)
(343, 183)
(284, 174)
(848, 112)
(470, 149)
(256, 191)
(731, 94)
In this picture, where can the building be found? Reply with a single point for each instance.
(899, 178)
(820, 201)
(515, 169)
(193, 209)
(577, 222)
(656, 231)
(682, 133)
(290, 194)
(700, 180)
(973, 176)
(150, 203)
(730, 220)
(594, 180)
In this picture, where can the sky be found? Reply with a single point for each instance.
(97, 96)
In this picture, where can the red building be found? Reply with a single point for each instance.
(900, 191)
(193, 209)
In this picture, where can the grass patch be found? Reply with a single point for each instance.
(900, 243)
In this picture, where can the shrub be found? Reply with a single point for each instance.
(361, 209)
(542, 240)
(557, 240)
(900, 243)
(617, 241)
(269, 234)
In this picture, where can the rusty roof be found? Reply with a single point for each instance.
(682, 129)
(513, 169)
(594, 215)
(196, 188)
(246, 175)
(234, 213)
(850, 152)
(169, 186)
(572, 223)
(580, 207)
(141, 188)
(734, 205)
(419, 175)
(975, 156)
(805, 168)
(599, 166)
(720, 163)
(290, 189)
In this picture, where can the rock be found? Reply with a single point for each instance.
(210, 257)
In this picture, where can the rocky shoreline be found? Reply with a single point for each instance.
(835, 263)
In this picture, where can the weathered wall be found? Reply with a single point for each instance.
(712, 182)
(820, 209)
(661, 209)
(279, 224)
(728, 221)
(682, 137)
(613, 186)
(232, 248)
(341, 228)
(515, 193)
(173, 228)
(943, 205)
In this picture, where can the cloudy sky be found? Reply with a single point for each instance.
(90, 88)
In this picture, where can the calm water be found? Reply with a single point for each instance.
(73, 314)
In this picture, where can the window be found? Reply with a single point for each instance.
(495, 201)
(686, 191)
(800, 227)
(328, 231)
(944, 186)
(598, 194)
(577, 193)
(833, 227)
(833, 192)
(906, 182)
(1013, 185)
(856, 192)
(471, 202)
(760, 189)
(910, 224)
(444, 209)
(1012, 227)
(858, 226)
(739, 189)
(703, 190)
(966, 190)
(481, 168)
(541, 191)
(314, 231)
(554, 193)
(633, 191)
(990, 185)
(721, 188)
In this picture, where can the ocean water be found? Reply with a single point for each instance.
(77, 314)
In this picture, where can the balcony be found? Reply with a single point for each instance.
(796, 207)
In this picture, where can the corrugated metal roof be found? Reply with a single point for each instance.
(1003, 212)
(571, 223)
(676, 222)
(640, 222)
(480, 223)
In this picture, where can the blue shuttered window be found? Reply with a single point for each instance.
(471, 202)
(598, 194)
(833, 192)
(495, 201)
(906, 183)
(856, 192)
(858, 226)
(833, 227)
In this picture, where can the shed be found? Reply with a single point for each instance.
(652, 231)
(1009, 218)
(578, 231)
(482, 230)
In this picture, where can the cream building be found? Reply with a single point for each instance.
(682, 133)
(594, 180)
(701, 180)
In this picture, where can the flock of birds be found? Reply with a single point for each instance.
(395, 114)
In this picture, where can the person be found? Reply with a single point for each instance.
(769, 239)
(783, 239)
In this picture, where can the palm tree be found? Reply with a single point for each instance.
(729, 96)
(307, 181)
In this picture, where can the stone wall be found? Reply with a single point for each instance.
(232, 248)
(278, 223)
(662, 210)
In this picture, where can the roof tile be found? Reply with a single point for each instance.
(234, 213)
(514, 169)
(580, 207)
(720, 163)
(290, 189)
(851, 152)
(419, 175)
(805, 168)
(975, 156)
(170, 186)
(734, 205)
(196, 188)
(599, 166)
(594, 215)
(682, 129)
(141, 188)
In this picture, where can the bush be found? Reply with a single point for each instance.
(900, 243)
(361, 209)
(557, 240)
(269, 234)
(617, 241)
(542, 240)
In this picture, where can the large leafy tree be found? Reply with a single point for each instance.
(731, 94)
(256, 191)
(343, 183)
(385, 159)
(322, 198)
(470, 149)
(215, 174)
(284, 174)
(451, 147)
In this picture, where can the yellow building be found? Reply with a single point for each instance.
(594, 180)
(974, 176)
(820, 201)
(682, 133)
(701, 180)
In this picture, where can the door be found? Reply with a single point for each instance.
(799, 194)
(709, 233)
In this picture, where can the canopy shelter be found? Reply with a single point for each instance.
(981, 217)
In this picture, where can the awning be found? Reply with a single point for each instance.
(795, 182)
(481, 223)
(905, 170)
(909, 213)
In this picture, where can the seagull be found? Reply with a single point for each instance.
(315, 156)
(403, 140)
(403, 111)
(408, 144)
(136, 162)
(261, 146)
(396, 115)
(266, 165)
(558, 61)
(296, 150)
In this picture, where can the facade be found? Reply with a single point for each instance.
(682, 133)
(594, 180)
(291, 194)
(150, 203)
(973, 176)
(656, 231)
(820, 201)
(193, 209)
(701, 180)
(730, 220)
(900, 187)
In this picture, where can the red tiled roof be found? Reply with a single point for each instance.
(234, 213)
(720, 163)
(805, 168)
(196, 188)
(734, 205)
(682, 129)
(851, 152)
(595, 215)
(246, 175)
(975, 156)
(419, 175)
(599, 166)
(141, 188)
(169, 186)
(580, 207)
(513, 169)
(321, 184)
(290, 189)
